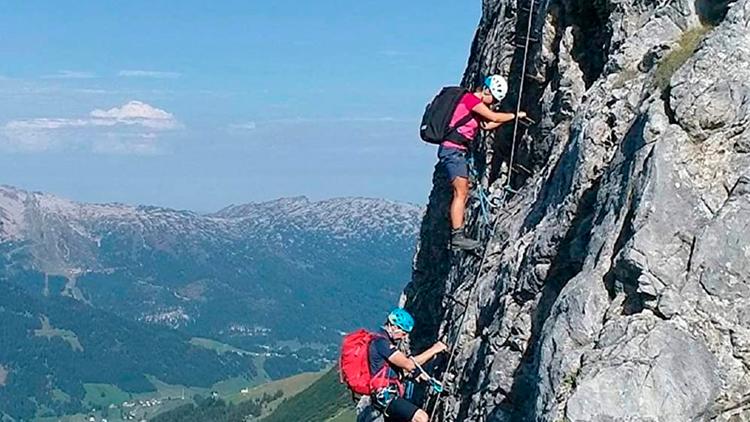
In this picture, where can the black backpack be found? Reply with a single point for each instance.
(437, 117)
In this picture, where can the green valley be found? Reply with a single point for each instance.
(313, 397)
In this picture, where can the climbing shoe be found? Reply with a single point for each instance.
(460, 241)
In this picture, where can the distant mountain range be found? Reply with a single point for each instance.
(279, 279)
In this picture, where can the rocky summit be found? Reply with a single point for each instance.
(615, 283)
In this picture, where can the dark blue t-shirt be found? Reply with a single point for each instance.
(380, 350)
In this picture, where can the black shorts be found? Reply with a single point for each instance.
(400, 410)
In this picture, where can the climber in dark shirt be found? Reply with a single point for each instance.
(388, 365)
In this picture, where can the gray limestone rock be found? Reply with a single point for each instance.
(615, 285)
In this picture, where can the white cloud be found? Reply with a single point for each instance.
(148, 74)
(133, 113)
(131, 128)
(137, 113)
(47, 124)
(70, 74)
(243, 126)
(17, 139)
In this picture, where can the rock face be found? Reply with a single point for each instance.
(615, 285)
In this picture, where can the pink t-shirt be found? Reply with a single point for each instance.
(469, 130)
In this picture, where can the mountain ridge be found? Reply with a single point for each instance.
(13, 202)
(37, 217)
(260, 277)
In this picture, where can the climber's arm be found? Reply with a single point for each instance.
(430, 353)
(492, 116)
(400, 360)
(490, 125)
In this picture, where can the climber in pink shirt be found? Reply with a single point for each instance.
(452, 152)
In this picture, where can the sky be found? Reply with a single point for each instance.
(198, 105)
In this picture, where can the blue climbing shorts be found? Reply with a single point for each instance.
(453, 160)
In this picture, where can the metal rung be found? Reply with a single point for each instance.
(520, 44)
(537, 77)
(453, 298)
(511, 190)
(526, 121)
(527, 8)
(522, 168)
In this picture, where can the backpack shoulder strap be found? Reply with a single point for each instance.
(464, 120)
(454, 135)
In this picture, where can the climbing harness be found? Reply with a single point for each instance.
(409, 392)
(433, 401)
(385, 396)
(479, 192)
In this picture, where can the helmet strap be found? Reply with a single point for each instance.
(387, 327)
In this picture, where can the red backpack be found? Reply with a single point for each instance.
(354, 362)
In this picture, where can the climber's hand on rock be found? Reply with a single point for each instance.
(439, 347)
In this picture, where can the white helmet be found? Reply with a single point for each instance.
(497, 85)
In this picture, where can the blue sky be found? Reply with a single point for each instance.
(198, 105)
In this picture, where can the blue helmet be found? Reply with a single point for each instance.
(401, 319)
